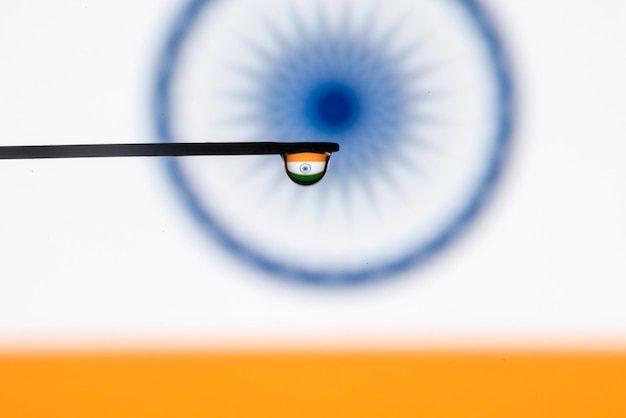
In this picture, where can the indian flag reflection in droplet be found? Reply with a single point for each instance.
(306, 168)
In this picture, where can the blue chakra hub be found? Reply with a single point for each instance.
(333, 107)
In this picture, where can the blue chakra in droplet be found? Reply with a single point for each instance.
(305, 168)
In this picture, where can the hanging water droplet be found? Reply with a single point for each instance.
(306, 168)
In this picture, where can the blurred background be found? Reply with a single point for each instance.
(107, 252)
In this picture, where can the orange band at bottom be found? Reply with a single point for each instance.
(497, 384)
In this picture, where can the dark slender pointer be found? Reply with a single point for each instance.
(172, 149)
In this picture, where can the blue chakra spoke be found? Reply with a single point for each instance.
(297, 24)
(345, 21)
(245, 72)
(366, 186)
(422, 117)
(241, 95)
(358, 164)
(433, 148)
(410, 50)
(427, 95)
(248, 118)
(346, 199)
(364, 31)
(384, 173)
(262, 53)
(321, 19)
(246, 175)
(399, 158)
(391, 153)
(277, 36)
(425, 70)
(294, 203)
(391, 33)
(268, 191)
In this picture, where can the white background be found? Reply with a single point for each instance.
(100, 251)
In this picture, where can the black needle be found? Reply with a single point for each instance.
(173, 149)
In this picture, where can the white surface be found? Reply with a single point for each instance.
(101, 250)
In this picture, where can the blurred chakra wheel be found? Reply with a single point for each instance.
(416, 92)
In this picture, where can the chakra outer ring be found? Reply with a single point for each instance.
(166, 68)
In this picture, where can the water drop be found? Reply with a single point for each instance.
(306, 168)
